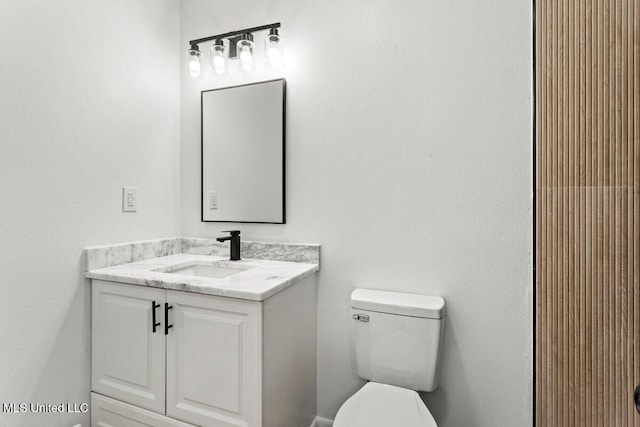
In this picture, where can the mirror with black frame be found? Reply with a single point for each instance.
(243, 149)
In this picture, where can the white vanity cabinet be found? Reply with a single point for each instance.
(211, 361)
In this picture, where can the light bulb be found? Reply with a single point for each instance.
(218, 61)
(245, 52)
(273, 48)
(245, 56)
(273, 55)
(193, 62)
(194, 66)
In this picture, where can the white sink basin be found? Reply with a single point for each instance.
(207, 270)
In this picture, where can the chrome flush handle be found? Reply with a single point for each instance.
(361, 317)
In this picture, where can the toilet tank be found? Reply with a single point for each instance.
(398, 337)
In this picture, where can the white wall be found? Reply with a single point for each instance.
(409, 160)
(89, 102)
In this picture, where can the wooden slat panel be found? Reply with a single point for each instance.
(587, 82)
(587, 212)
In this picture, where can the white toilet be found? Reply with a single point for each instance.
(397, 339)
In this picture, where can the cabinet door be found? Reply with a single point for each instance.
(128, 358)
(214, 355)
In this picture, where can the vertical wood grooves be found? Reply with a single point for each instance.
(587, 212)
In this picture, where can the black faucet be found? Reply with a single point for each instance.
(235, 243)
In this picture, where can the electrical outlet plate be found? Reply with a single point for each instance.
(129, 199)
(213, 200)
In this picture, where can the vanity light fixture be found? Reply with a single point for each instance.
(239, 46)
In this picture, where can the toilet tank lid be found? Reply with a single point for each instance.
(404, 304)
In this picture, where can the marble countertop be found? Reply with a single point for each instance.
(258, 280)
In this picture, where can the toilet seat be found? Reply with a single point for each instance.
(382, 405)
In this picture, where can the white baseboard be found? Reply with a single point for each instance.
(322, 422)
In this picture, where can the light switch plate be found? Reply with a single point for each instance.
(129, 199)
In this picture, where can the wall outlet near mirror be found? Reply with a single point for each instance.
(129, 199)
(213, 200)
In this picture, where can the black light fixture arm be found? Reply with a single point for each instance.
(233, 33)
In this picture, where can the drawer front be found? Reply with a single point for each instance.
(107, 412)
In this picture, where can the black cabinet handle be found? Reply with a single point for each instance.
(167, 326)
(153, 315)
(636, 398)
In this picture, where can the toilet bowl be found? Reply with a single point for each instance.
(382, 405)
